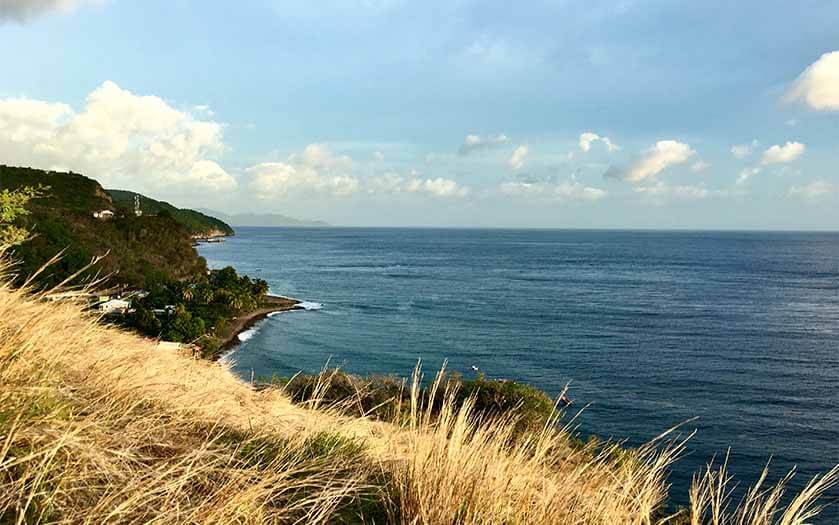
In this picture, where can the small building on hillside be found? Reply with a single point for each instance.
(114, 307)
(103, 215)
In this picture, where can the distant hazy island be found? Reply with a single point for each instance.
(260, 219)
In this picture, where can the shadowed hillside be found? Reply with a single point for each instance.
(139, 249)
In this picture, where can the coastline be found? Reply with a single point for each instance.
(272, 304)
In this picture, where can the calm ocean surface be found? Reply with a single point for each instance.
(651, 328)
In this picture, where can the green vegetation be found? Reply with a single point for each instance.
(137, 250)
(55, 214)
(13, 206)
(196, 309)
(385, 397)
(69, 191)
(196, 223)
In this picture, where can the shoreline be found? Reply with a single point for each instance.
(272, 304)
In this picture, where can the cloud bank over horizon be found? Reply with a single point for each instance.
(531, 118)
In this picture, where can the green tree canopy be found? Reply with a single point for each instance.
(12, 206)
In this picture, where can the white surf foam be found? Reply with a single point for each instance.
(247, 334)
(309, 305)
(227, 357)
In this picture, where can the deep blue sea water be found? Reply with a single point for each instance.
(651, 328)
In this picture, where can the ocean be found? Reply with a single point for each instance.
(649, 328)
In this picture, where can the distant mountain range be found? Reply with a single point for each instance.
(260, 219)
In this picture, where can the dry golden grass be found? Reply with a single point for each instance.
(98, 426)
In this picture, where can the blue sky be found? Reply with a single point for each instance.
(634, 114)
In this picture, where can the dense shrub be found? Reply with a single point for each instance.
(387, 397)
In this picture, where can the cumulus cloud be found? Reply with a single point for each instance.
(474, 143)
(388, 183)
(741, 151)
(392, 183)
(118, 138)
(570, 190)
(378, 156)
(438, 187)
(316, 170)
(588, 138)
(662, 155)
(782, 154)
(815, 190)
(22, 10)
(518, 158)
(818, 85)
(573, 190)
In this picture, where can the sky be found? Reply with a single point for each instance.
(555, 114)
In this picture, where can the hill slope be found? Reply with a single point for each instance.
(196, 223)
(99, 426)
(139, 249)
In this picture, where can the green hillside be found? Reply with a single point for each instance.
(68, 191)
(140, 250)
(196, 223)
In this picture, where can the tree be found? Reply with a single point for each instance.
(13, 206)
(145, 321)
(260, 287)
(183, 327)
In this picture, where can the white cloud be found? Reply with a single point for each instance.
(570, 190)
(814, 191)
(385, 184)
(520, 188)
(378, 156)
(205, 109)
(576, 191)
(207, 174)
(473, 143)
(519, 157)
(588, 138)
(664, 154)
(316, 170)
(741, 151)
(119, 138)
(818, 85)
(746, 174)
(782, 154)
(22, 10)
(393, 183)
(660, 192)
(699, 166)
(438, 187)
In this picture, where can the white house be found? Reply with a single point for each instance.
(103, 214)
(114, 306)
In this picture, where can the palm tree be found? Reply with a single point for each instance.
(187, 293)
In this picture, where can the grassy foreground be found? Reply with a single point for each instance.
(98, 426)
